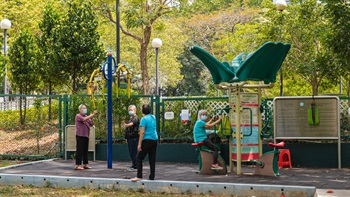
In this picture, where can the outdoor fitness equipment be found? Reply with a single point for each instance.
(205, 155)
(260, 66)
(267, 164)
(116, 69)
(205, 159)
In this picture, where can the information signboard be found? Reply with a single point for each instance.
(313, 118)
(249, 127)
(292, 116)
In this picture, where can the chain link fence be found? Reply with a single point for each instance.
(29, 126)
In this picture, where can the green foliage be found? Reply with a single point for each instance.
(338, 35)
(192, 84)
(309, 57)
(23, 65)
(204, 6)
(10, 119)
(120, 112)
(80, 51)
(50, 69)
(176, 129)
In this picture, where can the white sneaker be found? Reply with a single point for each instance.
(132, 169)
(216, 167)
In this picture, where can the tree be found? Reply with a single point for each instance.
(212, 32)
(17, 13)
(303, 26)
(140, 17)
(23, 67)
(338, 39)
(51, 71)
(80, 51)
(309, 57)
(191, 84)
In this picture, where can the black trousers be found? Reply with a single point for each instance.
(132, 145)
(148, 147)
(82, 150)
(212, 147)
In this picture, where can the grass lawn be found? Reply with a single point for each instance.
(50, 191)
(4, 163)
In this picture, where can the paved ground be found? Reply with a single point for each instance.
(337, 180)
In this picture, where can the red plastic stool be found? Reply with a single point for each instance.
(284, 158)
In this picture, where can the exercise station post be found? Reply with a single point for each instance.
(109, 69)
(109, 112)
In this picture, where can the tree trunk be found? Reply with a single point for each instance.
(50, 91)
(314, 85)
(348, 89)
(143, 59)
(20, 107)
(74, 82)
(25, 111)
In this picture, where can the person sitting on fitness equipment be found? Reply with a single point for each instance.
(200, 135)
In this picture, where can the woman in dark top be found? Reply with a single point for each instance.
(132, 135)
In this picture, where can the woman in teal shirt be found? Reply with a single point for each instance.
(200, 135)
(148, 142)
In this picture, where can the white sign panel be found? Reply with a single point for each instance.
(169, 115)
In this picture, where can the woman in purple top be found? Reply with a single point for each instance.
(83, 123)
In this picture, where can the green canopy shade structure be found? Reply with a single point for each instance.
(261, 65)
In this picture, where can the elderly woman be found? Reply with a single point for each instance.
(200, 135)
(83, 123)
(132, 135)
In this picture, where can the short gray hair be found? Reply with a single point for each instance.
(200, 112)
(80, 106)
(132, 106)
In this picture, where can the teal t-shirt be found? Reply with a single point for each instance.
(149, 122)
(199, 133)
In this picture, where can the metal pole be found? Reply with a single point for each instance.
(157, 88)
(157, 96)
(281, 69)
(118, 37)
(5, 80)
(109, 112)
(238, 129)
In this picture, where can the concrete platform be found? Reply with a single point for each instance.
(181, 178)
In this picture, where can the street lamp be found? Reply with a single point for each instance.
(5, 25)
(157, 43)
(281, 5)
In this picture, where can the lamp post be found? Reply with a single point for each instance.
(157, 43)
(5, 25)
(281, 5)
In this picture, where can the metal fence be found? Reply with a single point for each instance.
(30, 128)
(178, 129)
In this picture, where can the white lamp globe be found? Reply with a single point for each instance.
(5, 24)
(156, 43)
(281, 5)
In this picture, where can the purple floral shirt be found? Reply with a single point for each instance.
(83, 127)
